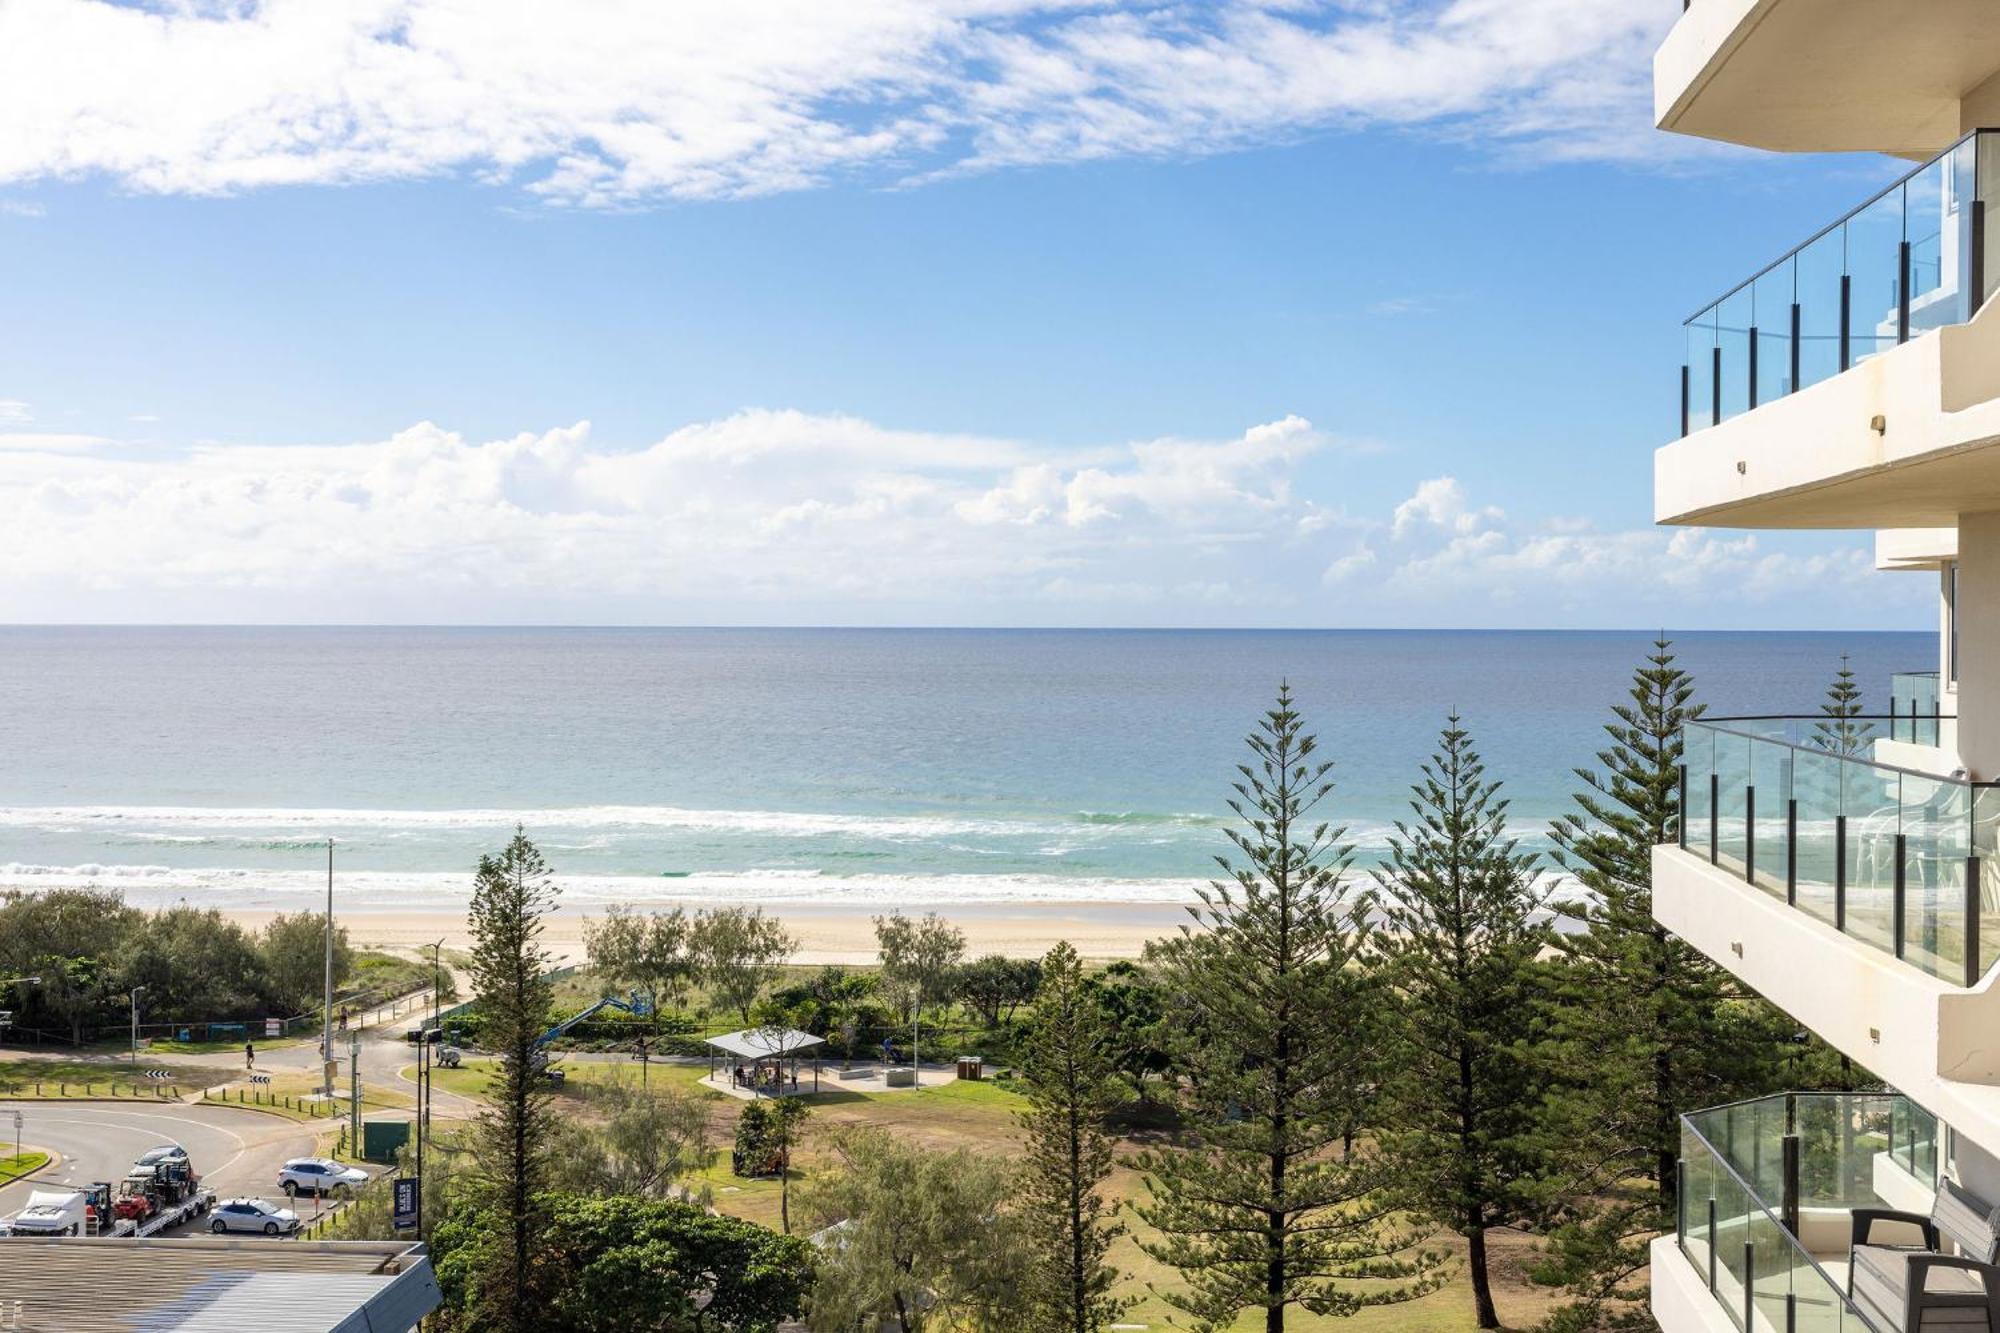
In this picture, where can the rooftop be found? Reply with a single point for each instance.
(200, 1285)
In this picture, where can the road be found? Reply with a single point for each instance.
(237, 1152)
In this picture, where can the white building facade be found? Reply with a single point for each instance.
(1850, 872)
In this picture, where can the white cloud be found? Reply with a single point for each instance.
(785, 517)
(26, 442)
(21, 208)
(1436, 547)
(13, 411)
(627, 102)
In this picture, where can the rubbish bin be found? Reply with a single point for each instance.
(971, 1068)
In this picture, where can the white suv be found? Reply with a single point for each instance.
(318, 1175)
(252, 1215)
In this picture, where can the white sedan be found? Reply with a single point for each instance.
(319, 1175)
(252, 1215)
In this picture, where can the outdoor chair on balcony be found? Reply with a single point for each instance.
(1917, 1288)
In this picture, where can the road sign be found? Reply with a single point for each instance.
(409, 1202)
(274, 1027)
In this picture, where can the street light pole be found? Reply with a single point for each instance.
(326, 1024)
(437, 983)
(135, 1023)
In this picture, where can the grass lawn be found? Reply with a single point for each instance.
(470, 1078)
(13, 1166)
(981, 1117)
(37, 1077)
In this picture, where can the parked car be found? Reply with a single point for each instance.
(252, 1215)
(319, 1175)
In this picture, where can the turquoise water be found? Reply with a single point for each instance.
(879, 767)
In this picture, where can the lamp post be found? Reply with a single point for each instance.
(326, 1022)
(437, 982)
(135, 1023)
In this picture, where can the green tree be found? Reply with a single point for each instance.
(1257, 1211)
(649, 951)
(1646, 1027)
(922, 1237)
(1070, 1092)
(919, 959)
(195, 964)
(995, 987)
(650, 1142)
(510, 895)
(1462, 933)
(1129, 999)
(293, 946)
(71, 939)
(740, 951)
(632, 1265)
(1842, 731)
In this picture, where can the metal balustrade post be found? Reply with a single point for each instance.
(1749, 1285)
(1683, 771)
(1846, 318)
(1975, 966)
(1684, 401)
(1750, 834)
(1714, 814)
(1840, 872)
(1896, 898)
(1790, 1166)
(1792, 852)
(1715, 384)
(1681, 1200)
(1793, 386)
(1903, 289)
(1753, 366)
(1976, 265)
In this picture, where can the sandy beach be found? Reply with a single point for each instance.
(827, 935)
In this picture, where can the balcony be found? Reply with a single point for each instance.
(1909, 260)
(1827, 75)
(1896, 859)
(1766, 1188)
(1856, 381)
(1916, 714)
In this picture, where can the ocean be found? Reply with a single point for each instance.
(871, 768)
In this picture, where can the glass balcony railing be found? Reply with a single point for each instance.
(1901, 860)
(1915, 708)
(1909, 260)
(1764, 1190)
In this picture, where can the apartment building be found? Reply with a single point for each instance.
(1850, 871)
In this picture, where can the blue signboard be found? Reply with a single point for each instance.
(409, 1205)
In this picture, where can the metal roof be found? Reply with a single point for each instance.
(763, 1043)
(208, 1285)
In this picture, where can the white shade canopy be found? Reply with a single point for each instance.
(766, 1043)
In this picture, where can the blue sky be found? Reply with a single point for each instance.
(966, 382)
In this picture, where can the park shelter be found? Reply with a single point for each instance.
(765, 1061)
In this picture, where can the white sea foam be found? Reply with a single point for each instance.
(151, 821)
(416, 891)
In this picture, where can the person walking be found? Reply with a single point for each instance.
(249, 1055)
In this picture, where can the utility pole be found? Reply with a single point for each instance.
(135, 1023)
(326, 1023)
(437, 983)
